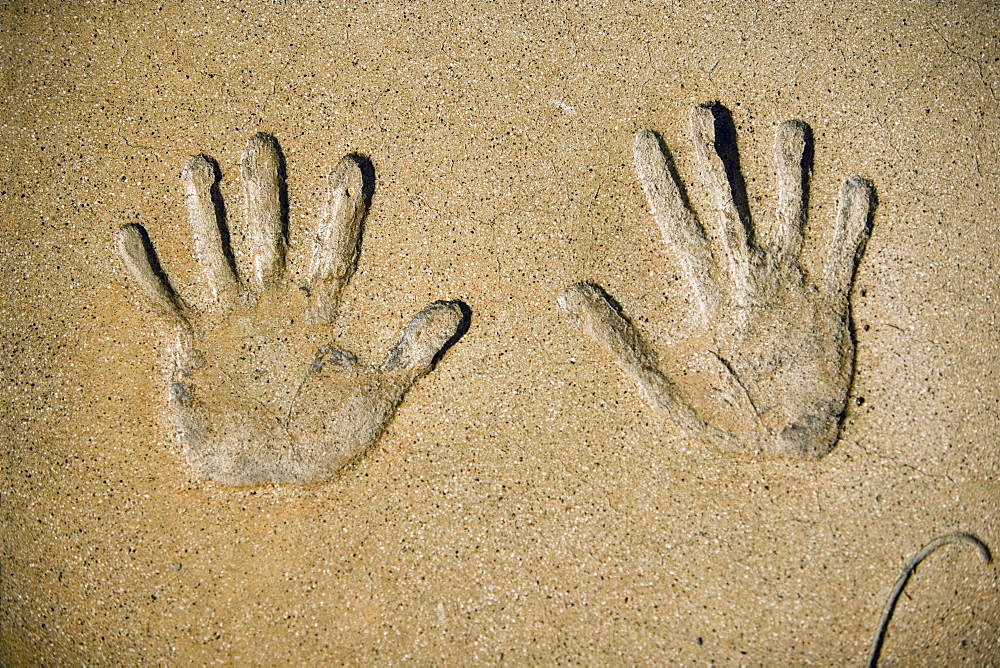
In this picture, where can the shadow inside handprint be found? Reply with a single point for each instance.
(773, 366)
(248, 407)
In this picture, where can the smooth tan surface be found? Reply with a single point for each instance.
(525, 505)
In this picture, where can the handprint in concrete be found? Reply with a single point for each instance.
(776, 345)
(247, 409)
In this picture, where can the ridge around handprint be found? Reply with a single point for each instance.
(777, 346)
(247, 411)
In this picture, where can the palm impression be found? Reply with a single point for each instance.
(248, 410)
(773, 366)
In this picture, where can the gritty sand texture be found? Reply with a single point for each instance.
(525, 504)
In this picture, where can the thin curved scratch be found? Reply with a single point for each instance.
(904, 577)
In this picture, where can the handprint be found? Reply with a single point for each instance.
(247, 412)
(777, 348)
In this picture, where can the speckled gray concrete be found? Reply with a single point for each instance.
(526, 504)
